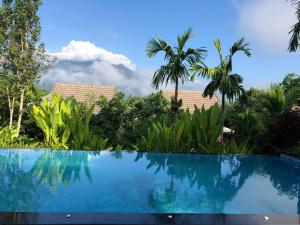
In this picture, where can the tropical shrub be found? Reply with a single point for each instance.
(279, 100)
(124, 119)
(246, 124)
(253, 115)
(284, 130)
(206, 126)
(8, 136)
(234, 147)
(51, 117)
(190, 133)
(81, 135)
(291, 81)
(163, 138)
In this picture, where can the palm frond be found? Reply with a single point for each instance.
(294, 40)
(204, 71)
(182, 39)
(194, 56)
(211, 88)
(295, 31)
(217, 44)
(234, 88)
(156, 45)
(240, 45)
(160, 76)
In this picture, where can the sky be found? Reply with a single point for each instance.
(92, 38)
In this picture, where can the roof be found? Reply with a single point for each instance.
(85, 93)
(191, 98)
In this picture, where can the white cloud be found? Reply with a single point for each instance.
(266, 23)
(85, 63)
(86, 51)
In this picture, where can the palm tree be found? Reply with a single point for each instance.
(179, 61)
(222, 78)
(294, 40)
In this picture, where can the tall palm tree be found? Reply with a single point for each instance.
(178, 63)
(294, 40)
(222, 78)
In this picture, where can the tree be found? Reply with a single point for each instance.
(222, 78)
(178, 64)
(295, 31)
(291, 81)
(124, 119)
(23, 56)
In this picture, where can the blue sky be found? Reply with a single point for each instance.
(124, 27)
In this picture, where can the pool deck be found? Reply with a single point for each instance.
(146, 219)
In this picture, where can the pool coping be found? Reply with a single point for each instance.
(146, 219)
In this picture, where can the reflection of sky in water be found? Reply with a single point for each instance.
(86, 181)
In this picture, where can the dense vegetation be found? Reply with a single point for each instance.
(262, 120)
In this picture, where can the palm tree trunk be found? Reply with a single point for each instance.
(223, 102)
(175, 107)
(20, 111)
(223, 109)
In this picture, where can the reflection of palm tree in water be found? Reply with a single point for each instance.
(162, 200)
(18, 188)
(285, 177)
(55, 167)
(207, 176)
(21, 189)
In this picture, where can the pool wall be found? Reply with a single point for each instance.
(145, 219)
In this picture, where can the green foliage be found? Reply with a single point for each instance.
(190, 133)
(23, 56)
(222, 78)
(295, 31)
(10, 138)
(66, 124)
(178, 63)
(7, 136)
(234, 147)
(279, 100)
(34, 96)
(256, 110)
(291, 81)
(284, 130)
(51, 117)
(206, 127)
(81, 136)
(124, 119)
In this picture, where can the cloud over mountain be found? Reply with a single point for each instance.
(83, 62)
(86, 51)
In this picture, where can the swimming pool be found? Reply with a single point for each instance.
(44, 181)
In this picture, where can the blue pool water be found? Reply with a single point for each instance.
(87, 181)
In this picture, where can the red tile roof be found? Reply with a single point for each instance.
(86, 93)
(191, 98)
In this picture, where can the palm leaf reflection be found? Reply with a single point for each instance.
(55, 167)
(18, 189)
(209, 178)
(285, 178)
